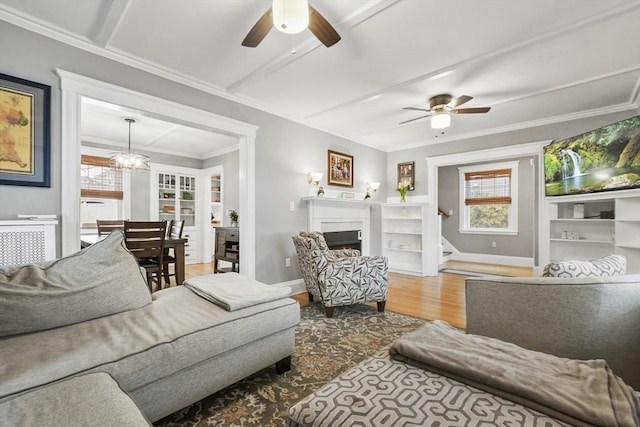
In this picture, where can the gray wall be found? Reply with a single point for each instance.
(285, 151)
(520, 245)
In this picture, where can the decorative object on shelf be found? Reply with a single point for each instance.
(320, 192)
(406, 176)
(186, 196)
(371, 187)
(578, 210)
(129, 160)
(402, 189)
(233, 216)
(25, 119)
(339, 169)
(347, 195)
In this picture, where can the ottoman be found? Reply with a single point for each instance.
(384, 392)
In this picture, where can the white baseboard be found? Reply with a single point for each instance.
(492, 259)
(297, 286)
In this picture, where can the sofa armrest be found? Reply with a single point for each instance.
(577, 318)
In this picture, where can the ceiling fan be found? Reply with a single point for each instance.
(440, 108)
(291, 17)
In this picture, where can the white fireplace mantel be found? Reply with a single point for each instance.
(333, 214)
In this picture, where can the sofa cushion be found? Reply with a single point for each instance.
(86, 400)
(612, 265)
(100, 280)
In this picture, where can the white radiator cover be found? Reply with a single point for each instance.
(27, 241)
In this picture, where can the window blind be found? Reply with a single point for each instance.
(99, 180)
(488, 187)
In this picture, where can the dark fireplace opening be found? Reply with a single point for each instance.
(351, 239)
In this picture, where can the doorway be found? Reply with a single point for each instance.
(74, 87)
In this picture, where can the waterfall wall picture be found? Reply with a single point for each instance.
(604, 159)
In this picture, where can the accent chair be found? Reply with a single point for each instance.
(340, 277)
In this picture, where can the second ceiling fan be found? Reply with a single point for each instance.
(440, 106)
(291, 17)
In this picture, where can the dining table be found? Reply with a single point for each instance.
(178, 246)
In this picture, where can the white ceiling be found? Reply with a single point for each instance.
(532, 61)
(104, 123)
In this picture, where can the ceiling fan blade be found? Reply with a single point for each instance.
(471, 110)
(321, 28)
(460, 100)
(416, 109)
(259, 30)
(417, 118)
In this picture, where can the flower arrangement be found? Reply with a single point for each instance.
(402, 189)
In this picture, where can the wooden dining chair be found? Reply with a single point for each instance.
(106, 226)
(145, 240)
(174, 231)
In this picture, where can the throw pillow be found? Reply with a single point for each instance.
(612, 265)
(100, 280)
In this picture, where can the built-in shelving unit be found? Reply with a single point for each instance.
(596, 226)
(217, 210)
(403, 231)
(177, 199)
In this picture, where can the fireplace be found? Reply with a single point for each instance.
(350, 239)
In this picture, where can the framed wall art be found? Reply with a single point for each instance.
(340, 169)
(25, 120)
(406, 175)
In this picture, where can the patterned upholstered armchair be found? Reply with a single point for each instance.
(340, 277)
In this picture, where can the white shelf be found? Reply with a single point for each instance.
(583, 220)
(600, 242)
(404, 250)
(417, 233)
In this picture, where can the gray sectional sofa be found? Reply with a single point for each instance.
(92, 312)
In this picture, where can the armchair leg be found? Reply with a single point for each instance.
(381, 306)
(329, 311)
(310, 296)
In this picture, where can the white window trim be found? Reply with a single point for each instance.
(463, 227)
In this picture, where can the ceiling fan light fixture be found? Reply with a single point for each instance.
(290, 16)
(440, 121)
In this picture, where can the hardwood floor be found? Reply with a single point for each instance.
(438, 297)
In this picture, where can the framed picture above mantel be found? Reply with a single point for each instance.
(25, 120)
(339, 169)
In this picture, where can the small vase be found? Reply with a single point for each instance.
(403, 198)
(234, 224)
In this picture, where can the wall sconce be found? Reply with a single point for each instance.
(314, 177)
(371, 186)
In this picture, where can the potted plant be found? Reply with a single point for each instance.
(233, 216)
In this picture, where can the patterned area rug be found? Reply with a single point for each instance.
(324, 349)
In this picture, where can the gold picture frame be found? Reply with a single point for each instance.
(339, 169)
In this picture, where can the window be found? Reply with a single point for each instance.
(101, 191)
(488, 201)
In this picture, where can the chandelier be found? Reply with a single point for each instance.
(129, 160)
